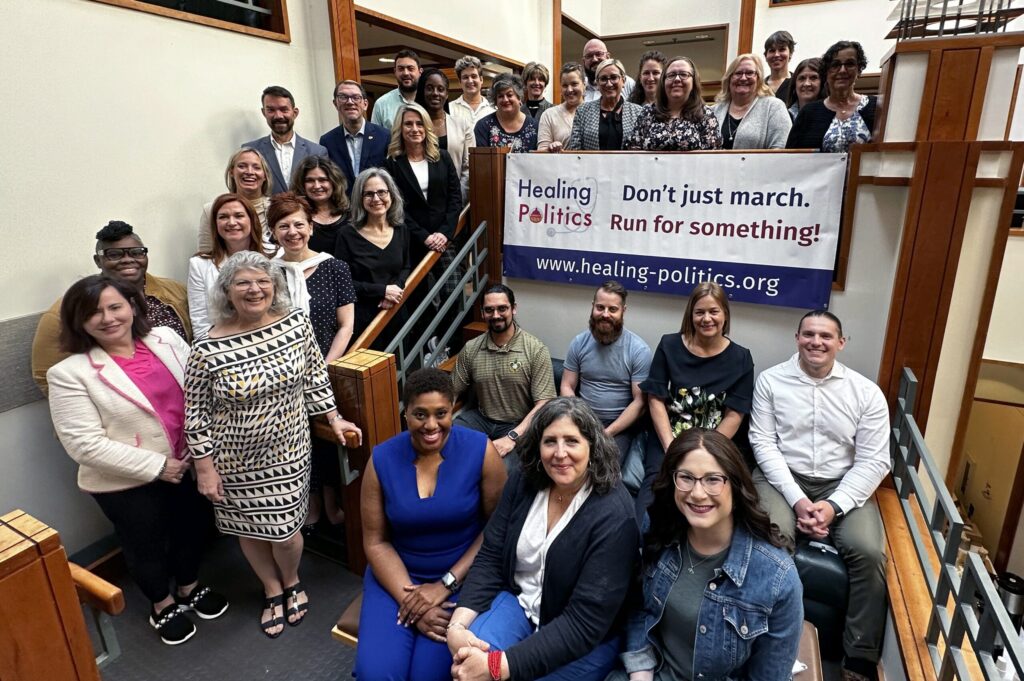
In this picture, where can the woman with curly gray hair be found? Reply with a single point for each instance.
(508, 126)
(250, 386)
(546, 592)
(376, 248)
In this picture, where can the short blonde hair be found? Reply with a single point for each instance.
(761, 90)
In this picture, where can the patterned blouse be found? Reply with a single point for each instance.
(675, 134)
(841, 134)
(489, 133)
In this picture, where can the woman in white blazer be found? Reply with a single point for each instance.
(234, 227)
(119, 410)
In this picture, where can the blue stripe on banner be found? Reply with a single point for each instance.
(743, 282)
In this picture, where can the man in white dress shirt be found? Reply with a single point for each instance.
(820, 434)
(282, 149)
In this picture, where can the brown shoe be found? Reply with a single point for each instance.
(856, 669)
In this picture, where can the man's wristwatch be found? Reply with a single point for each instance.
(513, 435)
(835, 508)
(450, 582)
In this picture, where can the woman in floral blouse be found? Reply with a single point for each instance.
(699, 378)
(508, 126)
(678, 120)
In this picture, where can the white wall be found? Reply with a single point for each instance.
(621, 16)
(818, 25)
(586, 12)
(520, 30)
(1006, 329)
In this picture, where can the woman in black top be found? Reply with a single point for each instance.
(321, 182)
(376, 248)
(547, 588)
(807, 86)
(843, 117)
(699, 378)
(536, 78)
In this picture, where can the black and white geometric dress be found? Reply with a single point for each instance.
(247, 401)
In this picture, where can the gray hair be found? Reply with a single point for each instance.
(468, 62)
(221, 309)
(396, 213)
(507, 81)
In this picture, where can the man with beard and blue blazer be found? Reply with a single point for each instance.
(283, 149)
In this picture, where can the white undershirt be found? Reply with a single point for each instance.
(421, 171)
(532, 548)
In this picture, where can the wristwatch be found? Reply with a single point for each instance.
(513, 435)
(450, 582)
(835, 508)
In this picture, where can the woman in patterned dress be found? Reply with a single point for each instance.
(678, 120)
(508, 126)
(249, 387)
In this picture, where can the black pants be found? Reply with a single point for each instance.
(162, 528)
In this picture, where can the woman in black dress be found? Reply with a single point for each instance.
(376, 248)
(699, 378)
(321, 182)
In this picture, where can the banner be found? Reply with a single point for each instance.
(764, 226)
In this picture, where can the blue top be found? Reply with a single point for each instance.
(750, 617)
(430, 535)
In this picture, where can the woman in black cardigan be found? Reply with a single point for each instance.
(544, 596)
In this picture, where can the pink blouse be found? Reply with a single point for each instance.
(159, 386)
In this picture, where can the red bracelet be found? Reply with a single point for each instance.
(494, 664)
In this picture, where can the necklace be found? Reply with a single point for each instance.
(693, 565)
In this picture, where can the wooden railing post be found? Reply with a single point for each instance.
(487, 195)
(365, 386)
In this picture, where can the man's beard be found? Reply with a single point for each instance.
(602, 333)
(591, 75)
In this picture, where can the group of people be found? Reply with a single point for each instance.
(552, 567)
(529, 555)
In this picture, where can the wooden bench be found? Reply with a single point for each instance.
(347, 628)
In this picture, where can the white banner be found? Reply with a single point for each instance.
(765, 226)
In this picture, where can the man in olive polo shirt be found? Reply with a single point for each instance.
(510, 373)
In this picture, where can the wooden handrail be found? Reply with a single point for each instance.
(97, 592)
(380, 322)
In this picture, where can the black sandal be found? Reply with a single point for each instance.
(292, 594)
(271, 604)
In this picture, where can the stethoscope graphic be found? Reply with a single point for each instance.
(590, 182)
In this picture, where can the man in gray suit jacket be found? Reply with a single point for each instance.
(283, 149)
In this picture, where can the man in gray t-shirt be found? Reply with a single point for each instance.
(606, 365)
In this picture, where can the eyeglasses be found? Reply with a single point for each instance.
(500, 309)
(678, 75)
(605, 80)
(246, 284)
(713, 483)
(348, 98)
(595, 55)
(115, 254)
(744, 74)
(849, 65)
(379, 194)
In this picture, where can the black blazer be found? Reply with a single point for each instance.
(587, 574)
(372, 155)
(439, 211)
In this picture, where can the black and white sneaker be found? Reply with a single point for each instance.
(172, 625)
(203, 601)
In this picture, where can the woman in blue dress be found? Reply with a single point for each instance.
(426, 497)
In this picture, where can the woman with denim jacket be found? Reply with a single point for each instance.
(721, 597)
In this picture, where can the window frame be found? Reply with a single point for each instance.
(281, 16)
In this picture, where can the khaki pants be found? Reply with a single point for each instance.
(860, 538)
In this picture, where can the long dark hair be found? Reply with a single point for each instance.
(814, 64)
(604, 455)
(81, 302)
(638, 96)
(669, 526)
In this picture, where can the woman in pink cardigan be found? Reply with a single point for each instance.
(118, 408)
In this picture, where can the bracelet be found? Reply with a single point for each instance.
(453, 625)
(494, 664)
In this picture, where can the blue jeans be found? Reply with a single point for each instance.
(505, 624)
(474, 419)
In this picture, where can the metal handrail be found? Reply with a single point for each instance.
(415, 356)
(976, 614)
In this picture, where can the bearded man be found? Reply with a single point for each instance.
(607, 364)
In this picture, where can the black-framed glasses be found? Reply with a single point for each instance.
(379, 194)
(678, 75)
(348, 98)
(604, 80)
(849, 65)
(713, 483)
(115, 254)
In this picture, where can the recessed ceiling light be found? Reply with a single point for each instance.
(386, 60)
